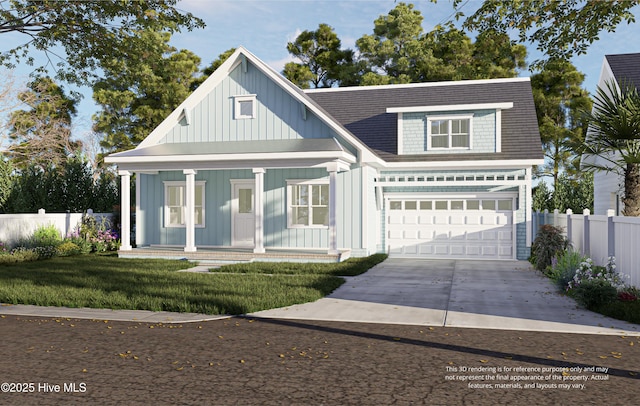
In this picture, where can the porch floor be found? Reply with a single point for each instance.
(233, 255)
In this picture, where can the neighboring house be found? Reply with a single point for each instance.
(251, 162)
(609, 186)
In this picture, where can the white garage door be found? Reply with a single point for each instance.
(479, 227)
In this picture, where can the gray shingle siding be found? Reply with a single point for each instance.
(363, 112)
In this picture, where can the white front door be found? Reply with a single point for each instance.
(243, 222)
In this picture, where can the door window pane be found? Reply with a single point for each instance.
(245, 200)
(395, 205)
(473, 204)
(457, 205)
(488, 205)
(441, 205)
(505, 205)
(425, 205)
(410, 205)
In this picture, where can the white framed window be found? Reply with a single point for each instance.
(175, 203)
(449, 132)
(307, 203)
(244, 107)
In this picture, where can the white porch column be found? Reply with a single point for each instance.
(125, 210)
(333, 200)
(190, 215)
(258, 210)
(529, 206)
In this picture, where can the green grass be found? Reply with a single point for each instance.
(350, 267)
(102, 281)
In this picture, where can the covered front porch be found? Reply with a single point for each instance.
(246, 219)
(220, 256)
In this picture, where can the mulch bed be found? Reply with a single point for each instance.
(242, 361)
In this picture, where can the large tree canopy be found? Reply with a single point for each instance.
(88, 32)
(399, 51)
(40, 135)
(560, 100)
(138, 94)
(560, 28)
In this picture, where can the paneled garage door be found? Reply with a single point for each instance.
(479, 227)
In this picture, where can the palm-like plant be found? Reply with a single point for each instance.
(613, 139)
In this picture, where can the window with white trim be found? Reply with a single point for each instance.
(175, 203)
(244, 107)
(449, 132)
(307, 204)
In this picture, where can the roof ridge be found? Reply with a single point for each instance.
(418, 85)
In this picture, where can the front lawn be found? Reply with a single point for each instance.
(103, 281)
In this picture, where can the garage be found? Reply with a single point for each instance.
(471, 227)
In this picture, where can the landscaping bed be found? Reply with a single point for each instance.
(601, 289)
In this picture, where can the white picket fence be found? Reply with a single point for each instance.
(599, 237)
(14, 227)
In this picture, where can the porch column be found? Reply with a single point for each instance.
(333, 200)
(258, 210)
(190, 216)
(125, 210)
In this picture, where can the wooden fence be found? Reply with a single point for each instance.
(599, 237)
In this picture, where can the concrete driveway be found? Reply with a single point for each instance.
(457, 293)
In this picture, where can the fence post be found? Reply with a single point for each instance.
(545, 219)
(41, 212)
(555, 217)
(611, 234)
(569, 227)
(586, 242)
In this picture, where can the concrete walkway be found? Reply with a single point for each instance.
(479, 294)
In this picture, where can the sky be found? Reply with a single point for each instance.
(265, 26)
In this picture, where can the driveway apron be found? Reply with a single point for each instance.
(456, 293)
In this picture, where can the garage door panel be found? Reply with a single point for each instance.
(450, 228)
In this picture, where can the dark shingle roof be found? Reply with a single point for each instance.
(625, 68)
(362, 111)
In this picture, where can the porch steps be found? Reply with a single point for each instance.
(214, 257)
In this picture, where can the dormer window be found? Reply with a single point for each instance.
(244, 107)
(449, 132)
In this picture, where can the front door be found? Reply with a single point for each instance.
(243, 222)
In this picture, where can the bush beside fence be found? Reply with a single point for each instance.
(15, 227)
(599, 237)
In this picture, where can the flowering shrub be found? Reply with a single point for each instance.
(3, 248)
(594, 286)
(91, 236)
(588, 272)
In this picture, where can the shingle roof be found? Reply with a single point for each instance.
(625, 68)
(362, 110)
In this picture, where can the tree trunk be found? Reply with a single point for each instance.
(631, 198)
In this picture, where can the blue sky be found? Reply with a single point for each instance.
(265, 26)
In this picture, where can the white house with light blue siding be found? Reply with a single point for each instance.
(251, 164)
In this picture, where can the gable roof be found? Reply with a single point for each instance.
(625, 68)
(363, 111)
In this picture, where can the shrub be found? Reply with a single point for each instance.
(45, 236)
(19, 254)
(595, 293)
(45, 252)
(3, 249)
(67, 249)
(564, 268)
(94, 236)
(548, 244)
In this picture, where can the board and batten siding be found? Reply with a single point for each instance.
(278, 115)
(217, 230)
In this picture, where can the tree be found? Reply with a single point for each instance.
(560, 28)
(395, 47)
(89, 32)
(41, 134)
(399, 51)
(137, 95)
(559, 100)
(206, 72)
(323, 63)
(613, 139)
(6, 182)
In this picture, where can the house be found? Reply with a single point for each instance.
(250, 163)
(608, 187)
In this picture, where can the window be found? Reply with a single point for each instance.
(175, 204)
(449, 133)
(244, 107)
(308, 204)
